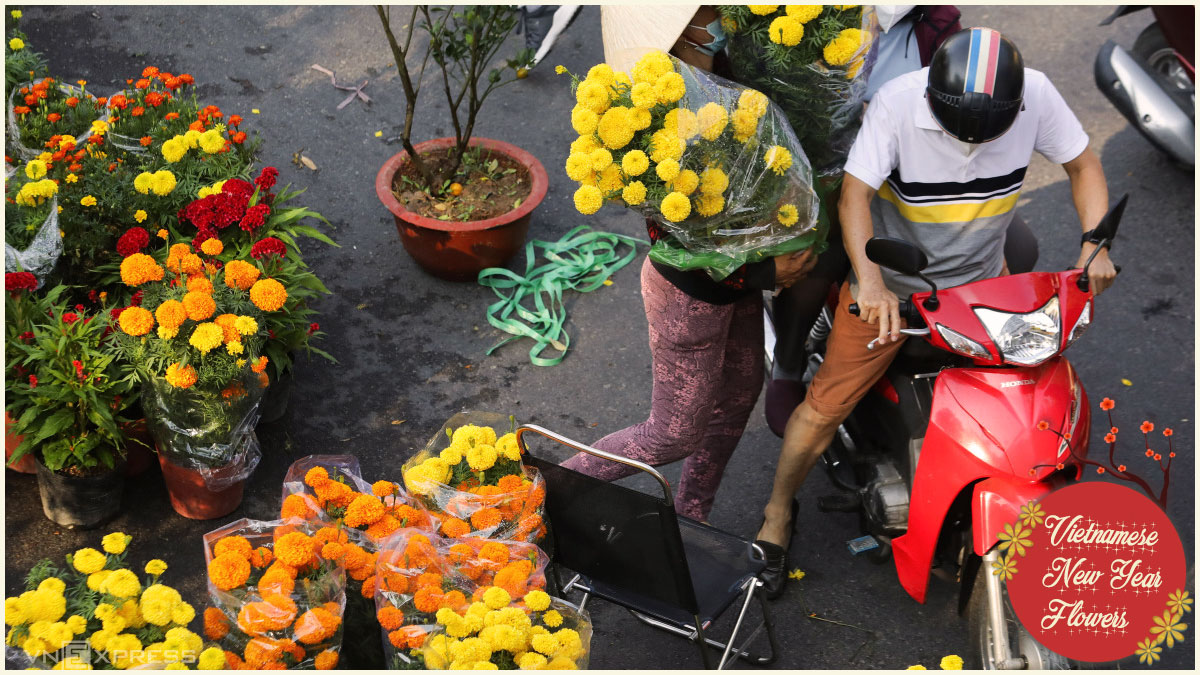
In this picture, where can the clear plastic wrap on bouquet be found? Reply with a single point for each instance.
(42, 254)
(273, 613)
(210, 431)
(558, 637)
(471, 481)
(820, 82)
(14, 129)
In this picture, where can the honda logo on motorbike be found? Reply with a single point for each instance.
(1014, 383)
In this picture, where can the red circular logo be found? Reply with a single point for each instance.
(1096, 572)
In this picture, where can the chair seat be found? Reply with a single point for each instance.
(719, 562)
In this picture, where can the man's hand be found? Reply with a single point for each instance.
(792, 267)
(877, 304)
(1102, 273)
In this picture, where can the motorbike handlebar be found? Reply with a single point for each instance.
(906, 310)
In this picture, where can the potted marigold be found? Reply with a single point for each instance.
(196, 339)
(65, 396)
(460, 203)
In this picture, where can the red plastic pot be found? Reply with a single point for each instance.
(190, 496)
(457, 251)
(26, 464)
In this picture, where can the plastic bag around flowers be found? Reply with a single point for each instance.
(712, 162)
(14, 129)
(817, 74)
(471, 481)
(210, 431)
(536, 632)
(276, 601)
(42, 254)
(330, 488)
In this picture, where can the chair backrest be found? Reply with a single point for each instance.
(616, 536)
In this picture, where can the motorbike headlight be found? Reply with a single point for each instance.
(1081, 326)
(962, 344)
(1024, 339)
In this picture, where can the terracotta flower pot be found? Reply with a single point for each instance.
(26, 464)
(190, 496)
(457, 251)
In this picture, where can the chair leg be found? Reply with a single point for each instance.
(702, 643)
(751, 585)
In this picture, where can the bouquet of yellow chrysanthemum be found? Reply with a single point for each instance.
(498, 631)
(472, 481)
(814, 61)
(278, 590)
(714, 164)
(97, 600)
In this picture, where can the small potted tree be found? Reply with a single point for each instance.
(461, 203)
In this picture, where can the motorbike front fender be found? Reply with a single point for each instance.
(997, 501)
(1139, 96)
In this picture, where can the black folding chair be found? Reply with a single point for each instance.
(631, 549)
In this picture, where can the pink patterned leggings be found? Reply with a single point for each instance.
(708, 370)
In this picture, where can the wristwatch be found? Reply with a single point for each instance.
(1090, 237)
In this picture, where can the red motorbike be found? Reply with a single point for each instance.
(945, 449)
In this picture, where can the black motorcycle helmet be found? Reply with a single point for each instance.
(976, 81)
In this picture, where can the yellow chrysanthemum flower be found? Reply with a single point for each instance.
(173, 150)
(803, 13)
(763, 10)
(588, 199)
(651, 66)
(634, 193)
(115, 542)
(584, 120)
(686, 182)
(593, 96)
(788, 215)
(842, 48)
(600, 159)
(669, 88)
(675, 207)
(667, 170)
(615, 128)
(786, 31)
(778, 159)
(635, 163)
(709, 205)
(712, 119)
(643, 95)
(713, 181)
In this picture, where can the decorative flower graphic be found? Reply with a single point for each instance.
(1006, 567)
(1148, 651)
(1015, 539)
(1179, 602)
(1032, 514)
(1168, 628)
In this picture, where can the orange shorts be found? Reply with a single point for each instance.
(849, 369)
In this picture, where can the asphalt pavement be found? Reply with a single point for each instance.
(410, 348)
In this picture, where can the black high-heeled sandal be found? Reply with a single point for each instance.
(774, 575)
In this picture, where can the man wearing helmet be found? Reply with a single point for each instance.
(944, 150)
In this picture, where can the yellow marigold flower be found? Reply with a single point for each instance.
(121, 583)
(16, 44)
(77, 624)
(682, 122)
(180, 377)
(173, 150)
(952, 662)
(482, 457)
(156, 567)
(162, 183)
(246, 325)
(709, 205)
(643, 95)
(531, 661)
(212, 247)
(712, 119)
(666, 145)
(675, 207)
(268, 295)
(496, 597)
(94, 580)
(593, 96)
(640, 118)
(588, 199)
(600, 158)
(713, 181)
(136, 321)
(579, 166)
(842, 48)
(652, 66)
(916, 667)
(537, 600)
(207, 337)
(667, 169)
(139, 215)
(635, 163)
(584, 144)
(615, 128)
(560, 69)
(212, 658)
(88, 200)
(778, 159)
(602, 73)
(610, 179)
(115, 542)
(745, 124)
(35, 169)
(552, 618)
(16, 13)
(786, 31)
(788, 215)
(803, 13)
(199, 306)
(183, 614)
(763, 10)
(584, 120)
(142, 182)
(72, 178)
(686, 182)
(212, 142)
(669, 88)
(241, 275)
(634, 193)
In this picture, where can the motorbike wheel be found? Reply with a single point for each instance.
(1151, 46)
(1020, 642)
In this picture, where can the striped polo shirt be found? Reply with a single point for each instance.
(953, 200)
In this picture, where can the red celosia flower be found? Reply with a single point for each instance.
(1147, 427)
(78, 368)
(133, 241)
(313, 327)
(26, 336)
(70, 318)
(136, 300)
(268, 246)
(202, 236)
(255, 217)
(266, 179)
(15, 282)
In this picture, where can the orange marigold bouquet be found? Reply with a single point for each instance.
(472, 482)
(278, 594)
(44, 108)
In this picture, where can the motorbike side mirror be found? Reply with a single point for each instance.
(1103, 235)
(905, 258)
